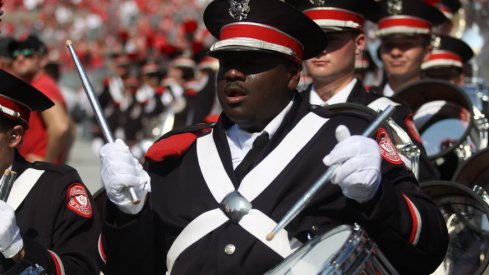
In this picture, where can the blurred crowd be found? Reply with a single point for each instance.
(146, 61)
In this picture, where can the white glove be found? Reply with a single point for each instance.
(121, 170)
(10, 240)
(358, 171)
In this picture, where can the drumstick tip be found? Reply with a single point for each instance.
(270, 236)
(68, 42)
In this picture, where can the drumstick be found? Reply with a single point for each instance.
(87, 85)
(306, 198)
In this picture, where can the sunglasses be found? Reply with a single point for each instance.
(25, 52)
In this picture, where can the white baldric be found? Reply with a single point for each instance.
(22, 186)
(254, 183)
(381, 103)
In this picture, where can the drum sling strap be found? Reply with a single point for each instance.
(22, 186)
(253, 184)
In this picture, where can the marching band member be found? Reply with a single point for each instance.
(48, 224)
(404, 29)
(333, 70)
(448, 60)
(211, 193)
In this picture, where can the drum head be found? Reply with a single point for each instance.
(474, 171)
(466, 216)
(442, 114)
(315, 254)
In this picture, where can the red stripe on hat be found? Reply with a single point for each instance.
(12, 105)
(444, 55)
(261, 32)
(404, 21)
(334, 14)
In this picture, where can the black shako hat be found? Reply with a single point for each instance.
(447, 7)
(18, 99)
(337, 15)
(448, 51)
(263, 25)
(409, 17)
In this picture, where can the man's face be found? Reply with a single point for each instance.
(253, 87)
(27, 62)
(338, 59)
(403, 55)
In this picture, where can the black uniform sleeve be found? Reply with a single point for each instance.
(61, 229)
(406, 224)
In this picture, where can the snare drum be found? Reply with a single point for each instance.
(343, 250)
(466, 216)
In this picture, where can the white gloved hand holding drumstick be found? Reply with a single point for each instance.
(10, 239)
(358, 173)
(120, 170)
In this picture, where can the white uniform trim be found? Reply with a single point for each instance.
(22, 186)
(258, 179)
(381, 103)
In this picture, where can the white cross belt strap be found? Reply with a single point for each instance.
(381, 103)
(22, 186)
(254, 183)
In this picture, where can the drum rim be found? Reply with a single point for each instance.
(462, 168)
(410, 88)
(485, 264)
(317, 239)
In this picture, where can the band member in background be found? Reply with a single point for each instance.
(263, 153)
(48, 224)
(333, 71)
(448, 60)
(51, 133)
(404, 30)
(207, 107)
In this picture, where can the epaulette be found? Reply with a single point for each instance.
(176, 142)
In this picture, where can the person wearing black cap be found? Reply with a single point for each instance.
(448, 60)
(51, 132)
(404, 29)
(47, 222)
(212, 193)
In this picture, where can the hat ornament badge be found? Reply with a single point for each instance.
(239, 9)
(394, 7)
(317, 2)
(436, 42)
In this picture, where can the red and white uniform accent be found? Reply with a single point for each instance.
(387, 149)
(416, 219)
(78, 201)
(60, 269)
